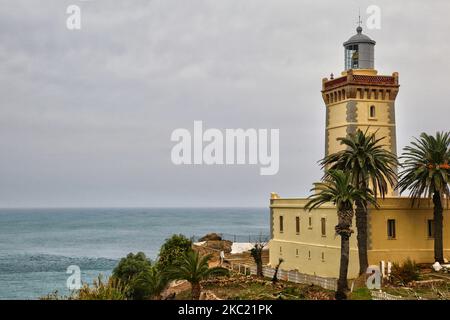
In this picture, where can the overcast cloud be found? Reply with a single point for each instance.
(86, 116)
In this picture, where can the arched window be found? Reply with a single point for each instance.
(372, 112)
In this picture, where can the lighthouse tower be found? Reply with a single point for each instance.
(360, 98)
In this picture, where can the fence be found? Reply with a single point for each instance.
(380, 295)
(290, 276)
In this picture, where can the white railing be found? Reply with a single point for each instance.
(290, 276)
(380, 295)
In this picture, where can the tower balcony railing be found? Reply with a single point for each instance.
(354, 79)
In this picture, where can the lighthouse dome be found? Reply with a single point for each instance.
(359, 37)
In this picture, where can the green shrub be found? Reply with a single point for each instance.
(128, 270)
(130, 266)
(405, 273)
(173, 250)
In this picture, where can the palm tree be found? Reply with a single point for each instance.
(151, 282)
(371, 166)
(340, 191)
(194, 268)
(426, 172)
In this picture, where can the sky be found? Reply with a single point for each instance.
(86, 115)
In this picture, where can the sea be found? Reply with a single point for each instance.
(38, 245)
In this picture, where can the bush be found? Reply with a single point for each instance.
(405, 273)
(173, 250)
(129, 269)
(130, 266)
(113, 289)
(150, 283)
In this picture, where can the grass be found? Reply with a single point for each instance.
(360, 294)
(239, 287)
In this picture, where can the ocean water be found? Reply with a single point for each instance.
(37, 245)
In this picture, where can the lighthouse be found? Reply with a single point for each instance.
(360, 98)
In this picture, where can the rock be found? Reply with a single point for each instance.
(210, 236)
(437, 266)
(221, 245)
(208, 295)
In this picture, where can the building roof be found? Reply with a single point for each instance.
(359, 38)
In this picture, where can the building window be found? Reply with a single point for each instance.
(323, 256)
(323, 224)
(297, 225)
(309, 255)
(281, 250)
(372, 112)
(351, 57)
(391, 229)
(296, 252)
(310, 222)
(430, 228)
(281, 224)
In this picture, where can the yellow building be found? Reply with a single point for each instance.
(306, 241)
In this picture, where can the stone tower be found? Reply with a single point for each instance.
(360, 98)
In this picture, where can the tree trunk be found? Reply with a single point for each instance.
(343, 229)
(438, 225)
(259, 269)
(361, 226)
(196, 291)
(275, 275)
(343, 268)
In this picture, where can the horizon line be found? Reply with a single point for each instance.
(132, 207)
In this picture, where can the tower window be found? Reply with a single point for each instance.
(323, 223)
(372, 112)
(391, 229)
(281, 224)
(297, 225)
(310, 222)
(430, 228)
